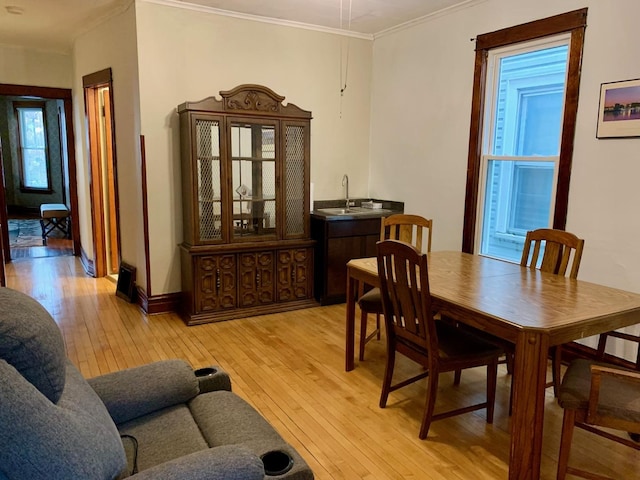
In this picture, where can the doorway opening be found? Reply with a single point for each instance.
(37, 166)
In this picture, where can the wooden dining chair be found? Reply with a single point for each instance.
(596, 396)
(412, 229)
(411, 330)
(553, 251)
(560, 253)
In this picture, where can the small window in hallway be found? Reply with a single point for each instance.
(32, 137)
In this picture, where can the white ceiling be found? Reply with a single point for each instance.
(53, 24)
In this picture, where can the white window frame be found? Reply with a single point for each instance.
(488, 136)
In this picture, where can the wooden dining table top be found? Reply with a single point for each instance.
(511, 298)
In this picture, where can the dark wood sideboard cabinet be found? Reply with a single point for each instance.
(337, 243)
(247, 248)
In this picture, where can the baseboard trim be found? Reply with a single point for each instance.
(87, 263)
(157, 304)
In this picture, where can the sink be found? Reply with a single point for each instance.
(353, 211)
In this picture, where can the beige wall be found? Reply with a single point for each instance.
(421, 104)
(23, 66)
(187, 55)
(112, 44)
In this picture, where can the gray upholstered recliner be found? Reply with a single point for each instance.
(155, 420)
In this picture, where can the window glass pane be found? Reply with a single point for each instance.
(32, 127)
(532, 187)
(529, 102)
(35, 168)
(518, 198)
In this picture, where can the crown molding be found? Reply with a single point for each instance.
(257, 18)
(431, 16)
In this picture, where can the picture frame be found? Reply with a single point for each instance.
(619, 109)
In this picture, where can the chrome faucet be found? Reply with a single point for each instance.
(345, 184)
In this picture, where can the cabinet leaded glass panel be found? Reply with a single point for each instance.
(295, 179)
(208, 164)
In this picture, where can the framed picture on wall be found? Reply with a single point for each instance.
(619, 109)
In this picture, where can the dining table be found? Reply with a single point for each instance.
(534, 310)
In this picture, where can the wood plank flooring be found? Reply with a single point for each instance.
(290, 367)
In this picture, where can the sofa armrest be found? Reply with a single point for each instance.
(137, 391)
(228, 462)
(212, 379)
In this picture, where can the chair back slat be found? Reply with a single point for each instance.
(562, 252)
(407, 228)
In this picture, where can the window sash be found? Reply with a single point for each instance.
(498, 208)
(534, 68)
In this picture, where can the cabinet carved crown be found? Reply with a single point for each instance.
(249, 99)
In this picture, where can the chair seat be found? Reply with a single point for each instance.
(618, 398)
(53, 210)
(371, 301)
(455, 344)
(54, 216)
(506, 345)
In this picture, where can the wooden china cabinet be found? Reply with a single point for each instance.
(247, 248)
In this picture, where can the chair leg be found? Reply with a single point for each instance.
(511, 398)
(568, 422)
(363, 333)
(456, 376)
(44, 232)
(364, 317)
(388, 374)
(432, 390)
(510, 359)
(556, 368)
(492, 381)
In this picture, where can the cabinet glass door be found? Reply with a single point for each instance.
(253, 179)
(296, 176)
(208, 171)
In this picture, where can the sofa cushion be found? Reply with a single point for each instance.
(40, 440)
(229, 462)
(31, 341)
(163, 436)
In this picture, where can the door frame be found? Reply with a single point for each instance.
(49, 93)
(102, 211)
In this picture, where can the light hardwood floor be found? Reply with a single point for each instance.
(290, 367)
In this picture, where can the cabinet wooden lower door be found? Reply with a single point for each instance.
(294, 274)
(256, 278)
(216, 283)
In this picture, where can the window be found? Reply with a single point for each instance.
(522, 127)
(32, 138)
